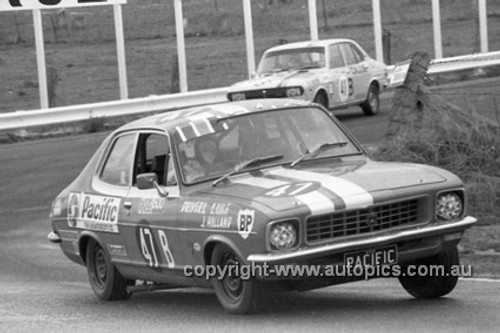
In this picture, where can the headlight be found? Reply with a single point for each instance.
(449, 206)
(293, 92)
(237, 97)
(283, 235)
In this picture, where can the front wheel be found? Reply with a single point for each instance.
(372, 104)
(436, 283)
(236, 295)
(106, 282)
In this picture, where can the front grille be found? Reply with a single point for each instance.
(267, 93)
(362, 221)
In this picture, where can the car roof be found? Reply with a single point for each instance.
(203, 117)
(298, 45)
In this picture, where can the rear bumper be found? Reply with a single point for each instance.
(447, 231)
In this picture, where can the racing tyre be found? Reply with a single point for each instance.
(425, 287)
(321, 99)
(236, 295)
(372, 104)
(106, 282)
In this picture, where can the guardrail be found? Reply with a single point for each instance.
(22, 119)
(464, 62)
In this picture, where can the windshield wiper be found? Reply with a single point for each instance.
(309, 67)
(315, 150)
(251, 163)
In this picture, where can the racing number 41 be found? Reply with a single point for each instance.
(148, 248)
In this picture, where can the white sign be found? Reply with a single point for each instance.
(12, 5)
(398, 75)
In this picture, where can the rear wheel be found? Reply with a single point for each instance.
(236, 295)
(106, 282)
(321, 99)
(427, 286)
(372, 104)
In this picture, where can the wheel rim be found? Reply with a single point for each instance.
(99, 268)
(232, 285)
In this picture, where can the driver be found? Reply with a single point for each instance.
(203, 161)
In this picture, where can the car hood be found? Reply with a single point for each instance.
(323, 188)
(281, 79)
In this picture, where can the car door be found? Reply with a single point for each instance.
(340, 88)
(359, 70)
(153, 234)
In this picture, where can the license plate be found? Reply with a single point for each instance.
(374, 257)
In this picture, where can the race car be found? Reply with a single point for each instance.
(336, 73)
(169, 200)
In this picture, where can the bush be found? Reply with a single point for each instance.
(466, 144)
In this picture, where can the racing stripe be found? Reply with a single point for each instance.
(195, 129)
(352, 194)
(181, 134)
(317, 202)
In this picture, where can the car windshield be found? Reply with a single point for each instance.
(276, 137)
(292, 59)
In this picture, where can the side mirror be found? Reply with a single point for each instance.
(146, 181)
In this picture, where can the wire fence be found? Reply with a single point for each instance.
(81, 51)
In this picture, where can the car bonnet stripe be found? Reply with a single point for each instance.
(353, 195)
(317, 202)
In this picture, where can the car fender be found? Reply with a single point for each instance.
(83, 240)
(213, 240)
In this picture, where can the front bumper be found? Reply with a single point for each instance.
(331, 249)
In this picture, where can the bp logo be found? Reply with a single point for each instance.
(73, 209)
(245, 222)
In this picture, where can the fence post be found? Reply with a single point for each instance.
(406, 106)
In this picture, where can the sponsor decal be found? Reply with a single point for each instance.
(93, 212)
(218, 216)
(246, 219)
(151, 205)
(117, 250)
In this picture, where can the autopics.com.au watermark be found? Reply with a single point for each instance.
(245, 272)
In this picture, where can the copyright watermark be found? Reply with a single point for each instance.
(245, 272)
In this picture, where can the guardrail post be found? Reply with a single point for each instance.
(406, 107)
(40, 58)
(436, 22)
(313, 20)
(483, 25)
(377, 29)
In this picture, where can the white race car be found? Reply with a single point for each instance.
(336, 73)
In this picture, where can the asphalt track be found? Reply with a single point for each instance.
(41, 290)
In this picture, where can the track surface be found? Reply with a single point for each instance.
(41, 290)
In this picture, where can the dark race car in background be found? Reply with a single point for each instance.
(263, 182)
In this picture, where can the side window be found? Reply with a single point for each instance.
(118, 165)
(336, 60)
(357, 53)
(153, 155)
(350, 57)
